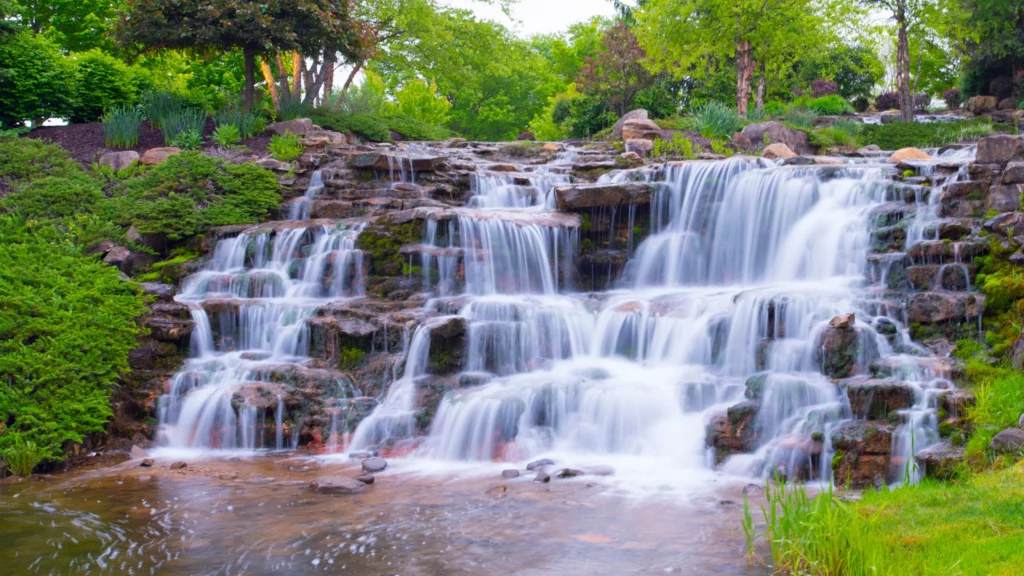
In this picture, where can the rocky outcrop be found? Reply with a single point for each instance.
(118, 161)
(777, 150)
(998, 149)
(298, 127)
(978, 105)
(639, 128)
(776, 132)
(582, 196)
(155, 156)
(862, 453)
(904, 154)
(639, 114)
(845, 350)
(735, 431)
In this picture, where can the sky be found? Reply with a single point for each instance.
(540, 16)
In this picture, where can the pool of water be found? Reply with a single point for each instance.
(256, 515)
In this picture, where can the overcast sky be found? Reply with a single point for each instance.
(540, 16)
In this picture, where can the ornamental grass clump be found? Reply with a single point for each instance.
(716, 120)
(183, 120)
(121, 126)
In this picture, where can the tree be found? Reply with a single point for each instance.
(903, 13)
(76, 25)
(35, 80)
(419, 100)
(616, 73)
(695, 38)
(855, 69)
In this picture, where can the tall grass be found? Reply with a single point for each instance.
(678, 147)
(159, 105)
(121, 126)
(247, 123)
(22, 458)
(188, 119)
(821, 535)
(716, 120)
(293, 109)
(802, 117)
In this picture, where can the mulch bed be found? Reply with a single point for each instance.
(85, 142)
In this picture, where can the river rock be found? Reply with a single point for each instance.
(510, 473)
(978, 105)
(1009, 440)
(499, 491)
(155, 156)
(298, 127)
(941, 462)
(845, 351)
(639, 128)
(998, 149)
(911, 153)
(538, 464)
(338, 485)
(118, 161)
(1007, 104)
(601, 471)
(639, 146)
(779, 150)
(638, 114)
(777, 132)
(735, 431)
(178, 466)
(1002, 223)
(1013, 173)
(843, 321)
(741, 141)
(568, 473)
(137, 453)
(582, 196)
(374, 464)
(542, 477)
(936, 307)
(146, 463)
(366, 478)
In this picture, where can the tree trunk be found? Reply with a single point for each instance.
(903, 64)
(761, 87)
(297, 65)
(348, 82)
(744, 73)
(268, 77)
(249, 91)
(282, 80)
(329, 65)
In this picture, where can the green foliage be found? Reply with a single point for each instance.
(351, 357)
(67, 327)
(27, 158)
(101, 82)
(187, 139)
(774, 108)
(855, 69)
(678, 147)
(801, 117)
(615, 74)
(922, 135)
(76, 25)
(36, 81)
(121, 126)
(157, 105)
(189, 192)
(419, 101)
(21, 457)
(716, 120)
(372, 128)
(227, 135)
(292, 109)
(54, 197)
(247, 124)
(366, 98)
(285, 148)
(832, 105)
(840, 133)
(182, 120)
(413, 129)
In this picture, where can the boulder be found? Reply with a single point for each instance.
(299, 127)
(538, 464)
(147, 463)
(778, 133)
(875, 398)
(155, 156)
(583, 196)
(510, 474)
(337, 485)
(777, 150)
(638, 128)
(936, 307)
(1002, 223)
(908, 154)
(274, 165)
(735, 431)
(542, 477)
(1007, 104)
(1013, 173)
(863, 437)
(1020, 423)
(178, 466)
(862, 453)
(161, 292)
(366, 478)
(843, 321)
(941, 462)
(742, 141)
(1003, 198)
(981, 104)
(1009, 440)
(998, 149)
(638, 114)
(639, 146)
(118, 161)
(845, 350)
(869, 150)
(374, 464)
(568, 473)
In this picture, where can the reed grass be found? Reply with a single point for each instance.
(121, 126)
(716, 120)
(22, 458)
(183, 120)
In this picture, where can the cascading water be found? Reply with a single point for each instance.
(258, 290)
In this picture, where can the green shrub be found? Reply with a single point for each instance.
(413, 129)
(227, 135)
(102, 82)
(293, 109)
(26, 158)
(54, 197)
(285, 148)
(188, 139)
(678, 147)
(801, 117)
(923, 135)
(676, 123)
(716, 120)
(841, 133)
(67, 327)
(157, 105)
(121, 126)
(774, 108)
(36, 82)
(832, 105)
(189, 192)
(371, 127)
(247, 123)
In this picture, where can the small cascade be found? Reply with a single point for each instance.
(517, 190)
(299, 209)
(250, 307)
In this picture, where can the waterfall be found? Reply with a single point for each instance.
(299, 209)
(255, 294)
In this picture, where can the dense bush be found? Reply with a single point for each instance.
(101, 82)
(54, 197)
(801, 117)
(371, 127)
(27, 158)
(67, 327)
(887, 101)
(412, 129)
(189, 192)
(952, 98)
(285, 148)
(1002, 87)
(822, 87)
(833, 105)
(36, 81)
(922, 135)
